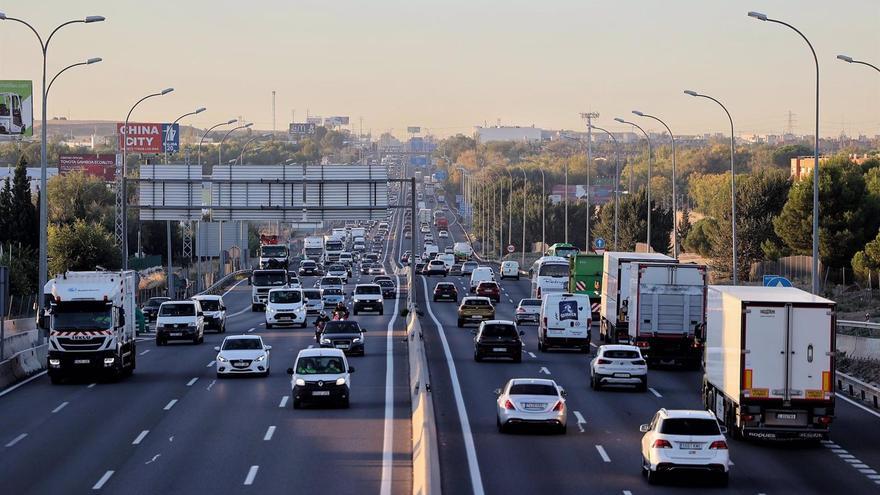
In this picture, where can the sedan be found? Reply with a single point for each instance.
(490, 290)
(446, 291)
(242, 355)
(455, 270)
(684, 441)
(528, 310)
(442, 234)
(531, 401)
(434, 267)
(376, 269)
(619, 365)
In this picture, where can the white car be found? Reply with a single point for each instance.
(214, 310)
(293, 281)
(619, 365)
(180, 320)
(429, 237)
(242, 355)
(531, 401)
(442, 234)
(425, 229)
(320, 375)
(367, 297)
(684, 441)
(285, 307)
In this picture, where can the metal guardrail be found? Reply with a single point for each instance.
(857, 389)
(220, 284)
(858, 324)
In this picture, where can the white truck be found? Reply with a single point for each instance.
(462, 251)
(769, 362)
(92, 324)
(425, 216)
(313, 248)
(667, 311)
(262, 281)
(333, 245)
(358, 232)
(613, 320)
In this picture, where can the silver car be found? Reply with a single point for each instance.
(528, 310)
(531, 401)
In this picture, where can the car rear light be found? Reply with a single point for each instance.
(639, 362)
(718, 445)
(747, 417)
(520, 310)
(603, 361)
(661, 444)
(508, 405)
(696, 344)
(825, 420)
(558, 406)
(642, 344)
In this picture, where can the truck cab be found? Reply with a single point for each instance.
(262, 281)
(272, 253)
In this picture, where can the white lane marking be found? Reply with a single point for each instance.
(140, 437)
(245, 310)
(210, 384)
(532, 354)
(192, 382)
(210, 364)
(544, 370)
(470, 450)
(10, 389)
(627, 492)
(864, 408)
(103, 480)
(388, 440)
(580, 420)
(60, 407)
(252, 473)
(283, 402)
(153, 459)
(603, 454)
(252, 329)
(92, 385)
(170, 404)
(860, 465)
(656, 393)
(146, 351)
(16, 439)
(269, 432)
(313, 345)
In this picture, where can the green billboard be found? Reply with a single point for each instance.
(16, 109)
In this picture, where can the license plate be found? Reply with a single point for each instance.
(498, 349)
(690, 446)
(321, 392)
(789, 416)
(175, 334)
(342, 346)
(476, 317)
(534, 405)
(621, 375)
(283, 318)
(81, 361)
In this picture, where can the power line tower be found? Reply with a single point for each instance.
(789, 129)
(588, 116)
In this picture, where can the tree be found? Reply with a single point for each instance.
(684, 225)
(632, 223)
(22, 263)
(5, 211)
(698, 239)
(868, 259)
(77, 196)
(782, 156)
(81, 246)
(23, 222)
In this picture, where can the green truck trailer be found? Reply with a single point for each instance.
(585, 277)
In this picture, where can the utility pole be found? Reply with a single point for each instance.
(589, 116)
(273, 114)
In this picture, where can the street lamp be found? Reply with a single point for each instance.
(674, 208)
(44, 196)
(249, 141)
(90, 61)
(543, 205)
(648, 139)
(732, 182)
(853, 61)
(230, 131)
(199, 152)
(197, 110)
(525, 185)
(616, 179)
(815, 274)
(509, 209)
(124, 188)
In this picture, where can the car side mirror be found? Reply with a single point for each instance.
(289, 371)
(497, 392)
(217, 348)
(268, 347)
(473, 331)
(351, 369)
(723, 429)
(563, 393)
(645, 428)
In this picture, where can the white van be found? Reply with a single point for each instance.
(565, 321)
(509, 269)
(447, 259)
(286, 307)
(481, 274)
(320, 375)
(431, 251)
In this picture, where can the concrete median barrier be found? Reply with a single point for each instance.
(425, 452)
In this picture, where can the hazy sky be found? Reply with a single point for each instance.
(449, 65)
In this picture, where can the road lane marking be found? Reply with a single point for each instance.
(246, 309)
(656, 393)
(580, 420)
(103, 480)
(210, 384)
(140, 437)
(875, 413)
(544, 370)
(251, 330)
(269, 432)
(10, 389)
(153, 459)
(170, 404)
(627, 492)
(532, 354)
(146, 351)
(470, 450)
(60, 407)
(283, 402)
(16, 440)
(603, 454)
(92, 385)
(210, 364)
(252, 473)
(191, 382)
(233, 287)
(388, 440)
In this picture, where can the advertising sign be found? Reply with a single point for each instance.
(413, 129)
(302, 128)
(314, 120)
(103, 166)
(148, 137)
(16, 109)
(568, 310)
(336, 121)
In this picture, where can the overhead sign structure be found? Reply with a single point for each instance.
(148, 137)
(16, 109)
(776, 281)
(102, 166)
(418, 160)
(302, 128)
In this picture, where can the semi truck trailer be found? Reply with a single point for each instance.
(614, 309)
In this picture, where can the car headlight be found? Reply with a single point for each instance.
(356, 339)
(300, 382)
(325, 341)
(221, 358)
(262, 357)
(340, 381)
(271, 309)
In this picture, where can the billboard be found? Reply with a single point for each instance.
(335, 121)
(315, 120)
(413, 130)
(16, 109)
(148, 137)
(302, 128)
(102, 166)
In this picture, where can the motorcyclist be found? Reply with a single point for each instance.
(319, 324)
(341, 311)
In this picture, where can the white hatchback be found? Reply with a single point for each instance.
(242, 355)
(684, 441)
(619, 365)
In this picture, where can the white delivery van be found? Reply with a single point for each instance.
(564, 321)
(480, 274)
(509, 269)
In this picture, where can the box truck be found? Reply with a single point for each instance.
(585, 277)
(613, 321)
(769, 362)
(313, 248)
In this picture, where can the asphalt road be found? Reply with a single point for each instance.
(174, 428)
(601, 454)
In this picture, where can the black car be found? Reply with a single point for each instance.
(345, 335)
(446, 291)
(498, 339)
(309, 267)
(151, 308)
(389, 290)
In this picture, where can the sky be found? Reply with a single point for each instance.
(450, 65)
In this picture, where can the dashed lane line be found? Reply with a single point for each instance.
(580, 420)
(146, 351)
(210, 364)
(192, 382)
(283, 402)
(269, 432)
(252, 473)
(92, 385)
(60, 407)
(656, 393)
(103, 480)
(603, 454)
(140, 437)
(532, 355)
(170, 404)
(16, 440)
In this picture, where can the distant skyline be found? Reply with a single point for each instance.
(450, 65)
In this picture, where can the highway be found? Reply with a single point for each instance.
(601, 454)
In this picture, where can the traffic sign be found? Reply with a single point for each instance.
(776, 281)
(600, 244)
(510, 248)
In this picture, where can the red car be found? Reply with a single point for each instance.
(490, 290)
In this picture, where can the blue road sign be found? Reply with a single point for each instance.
(776, 281)
(171, 137)
(600, 243)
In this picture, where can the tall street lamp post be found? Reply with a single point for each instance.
(616, 179)
(648, 139)
(674, 199)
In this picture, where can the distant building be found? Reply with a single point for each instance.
(802, 166)
(509, 133)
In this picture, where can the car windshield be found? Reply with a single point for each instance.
(210, 304)
(689, 426)
(445, 286)
(156, 301)
(386, 283)
(312, 294)
(308, 264)
(333, 291)
(81, 316)
(530, 302)
(336, 268)
(337, 327)
(621, 354)
(554, 270)
(273, 251)
(367, 289)
(177, 310)
(318, 365)
(499, 331)
(532, 389)
(476, 302)
(242, 344)
(285, 296)
(264, 279)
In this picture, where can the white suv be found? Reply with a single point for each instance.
(619, 365)
(684, 441)
(368, 297)
(285, 307)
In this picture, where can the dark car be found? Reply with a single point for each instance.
(490, 290)
(389, 290)
(445, 291)
(498, 338)
(151, 308)
(345, 335)
(309, 267)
